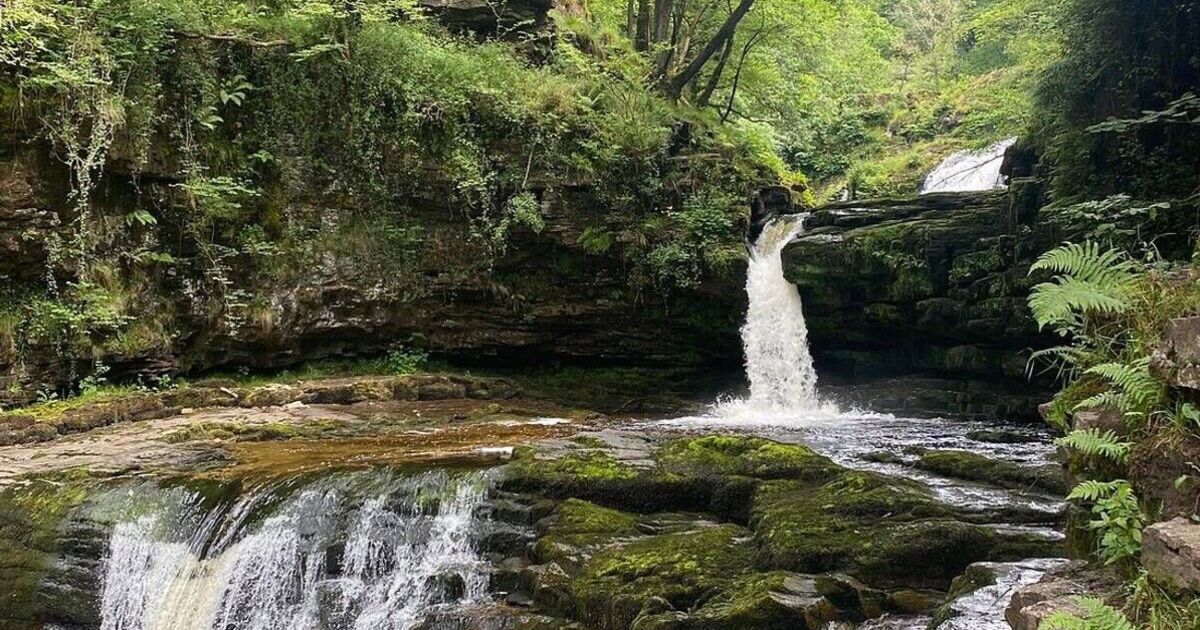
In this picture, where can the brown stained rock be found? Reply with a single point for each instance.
(1102, 418)
(17, 429)
(1171, 553)
(1178, 359)
(1162, 471)
(1057, 591)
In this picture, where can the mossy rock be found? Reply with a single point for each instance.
(577, 527)
(719, 474)
(877, 528)
(777, 600)
(724, 455)
(30, 519)
(975, 467)
(683, 568)
(597, 476)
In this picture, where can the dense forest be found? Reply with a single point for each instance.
(223, 189)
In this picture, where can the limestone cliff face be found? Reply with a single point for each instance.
(546, 297)
(933, 286)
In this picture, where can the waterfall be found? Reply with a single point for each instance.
(967, 171)
(775, 336)
(363, 551)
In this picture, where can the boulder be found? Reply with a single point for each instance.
(1057, 591)
(1178, 358)
(1171, 553)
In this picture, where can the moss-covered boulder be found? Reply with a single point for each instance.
(881, 529)
(681, 568)
(719, 474)
(1048, 477)
(727, 455)
(597, 476)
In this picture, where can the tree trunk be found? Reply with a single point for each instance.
(641, 39)
(662, 21)
(675, 85)
(715, 77)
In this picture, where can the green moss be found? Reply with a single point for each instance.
(681, 568)
(976, 467)
(597, 476)
(750, 603)
(874, 527)
(721, 455)
(29, 518)
(578, 526)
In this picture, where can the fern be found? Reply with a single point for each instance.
(1118, 518)
(1092, 491)
(1086, 262)
(1092, 281)
(1094, 442)
(1137, 391)
(1096, 616)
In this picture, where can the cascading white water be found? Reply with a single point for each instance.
(331, 556)
(775, 336)
(967, 171)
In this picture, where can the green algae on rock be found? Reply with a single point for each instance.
(1048, 477)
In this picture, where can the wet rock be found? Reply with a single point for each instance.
(975, 467)
(717, 473)
(506, 539)
(847, 593)
(910, 602)
(681, 568)
(999, 436)
(449, 586)
(721, 455)
(978, 597)
(884, 530)
(506, 575)
(1171, 553)
(1056, 591)
(768, 601)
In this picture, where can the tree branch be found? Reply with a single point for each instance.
(675, 86)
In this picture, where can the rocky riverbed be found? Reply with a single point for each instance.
(582, 519)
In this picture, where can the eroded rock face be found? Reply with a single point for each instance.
(935, 285)
(1171, 553)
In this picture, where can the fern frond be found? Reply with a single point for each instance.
(1091, 281)
(1088, 263)
(1094, 442)
(1091, 490)
(1138, 386)
(1101, 616)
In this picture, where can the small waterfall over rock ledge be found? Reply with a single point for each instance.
(968, 171)
(362, 551)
